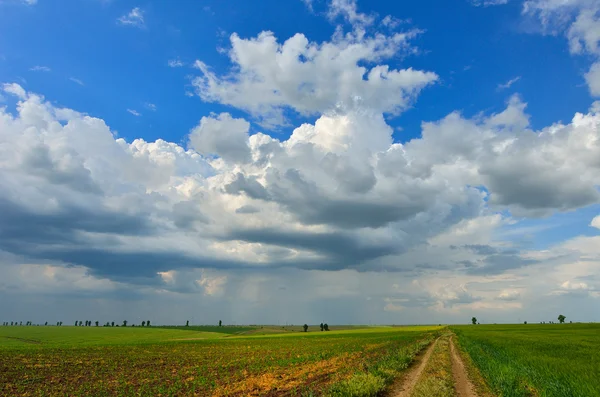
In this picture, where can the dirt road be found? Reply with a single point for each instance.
(427, 376)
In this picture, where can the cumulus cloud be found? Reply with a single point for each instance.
(336, 194)
(579, 21)
(135, 17)
(242, 212)
(222, 135)
(596, 222)
(134, 112)
(269, 77)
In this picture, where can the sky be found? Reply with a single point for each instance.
(305, 161)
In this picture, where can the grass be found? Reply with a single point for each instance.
(41, 337)
(380, 371)
(79, 361)
(550, 360)
(436, 380)
(226, 329)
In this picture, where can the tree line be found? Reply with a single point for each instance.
(561, 319)
(78, 323)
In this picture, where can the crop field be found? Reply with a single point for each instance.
(58, 361)
(554, 360)
(467, 361)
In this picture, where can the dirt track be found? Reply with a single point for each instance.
(405, 388)
(462, 385)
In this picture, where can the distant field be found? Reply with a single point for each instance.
(209, 328)
(553, 360)
(42, 337)
(58, 361)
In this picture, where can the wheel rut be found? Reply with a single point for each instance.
(421, 374)
(410, 379)
(464, 387)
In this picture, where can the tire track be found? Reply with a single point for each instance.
(409, 381)
(464, 387)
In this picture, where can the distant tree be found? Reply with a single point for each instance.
(326, 327)
(148, 323)
(561, 318)
(46, 323)
(124, 323)
(220, 323)
(20, 322)
(525, 323)
(112, 324)
(187, 323)
(474, 320)
(11, 323)
(305, 328)
(97, 322)
(322, 327)
(143, 323)
(570, 322)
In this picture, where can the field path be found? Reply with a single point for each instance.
(464, 387)
(405, 387)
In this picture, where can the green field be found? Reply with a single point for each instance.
(554, 360)
(58, 361)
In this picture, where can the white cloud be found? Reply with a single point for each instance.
(570, 285)
(593, 79)
(76, 81)
(596, 222)
(578, 20)
(15, 89)
(308, 4)
(509, 295)
(509, 83)
(223, 136)
(39, 68)
(134, 112)
(313, 78)
(487, 3)
(150, 106)
(135, 17)
(212, 286)
(349, 11)
(175, 63)
(337, 196)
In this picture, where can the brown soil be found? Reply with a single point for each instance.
(405, 387)
(464, 387)
(35, 342)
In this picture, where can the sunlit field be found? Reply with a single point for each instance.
(554, 360)
(102, 361)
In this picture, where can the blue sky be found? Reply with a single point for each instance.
(473, 49)
(203, 158)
